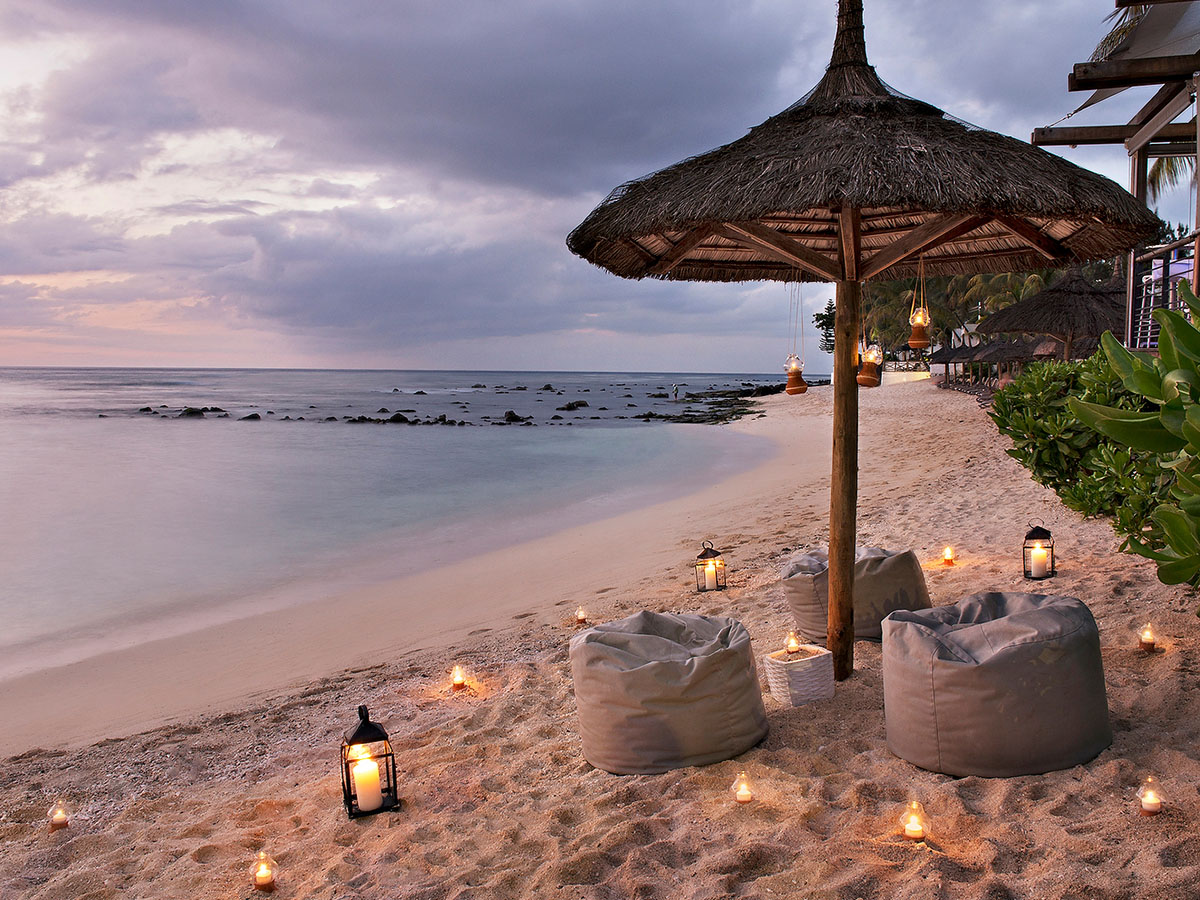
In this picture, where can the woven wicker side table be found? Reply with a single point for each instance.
(800, 677)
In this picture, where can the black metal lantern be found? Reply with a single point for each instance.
(710, 569)
(368, 769)
(1037, 553)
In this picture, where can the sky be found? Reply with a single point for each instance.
(389, 183)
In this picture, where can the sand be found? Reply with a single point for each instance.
(498, 801)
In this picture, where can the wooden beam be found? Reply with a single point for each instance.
(1035, 238)
(1105, 134)
(785, 248)
(850, 245)
(1154, 104)
(682, 248)
(1161, 119)
(843, 487)
(920, 238)
(1121, 4)
(1156, 150)
(1130, 72)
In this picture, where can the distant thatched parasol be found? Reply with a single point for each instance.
(854, 181)
(1071, 308)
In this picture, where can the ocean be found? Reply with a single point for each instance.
(125, 518)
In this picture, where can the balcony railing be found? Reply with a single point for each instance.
(1155, 285)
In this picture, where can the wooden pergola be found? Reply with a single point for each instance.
(1151, 133)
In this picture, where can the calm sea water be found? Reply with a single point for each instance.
(122, 521)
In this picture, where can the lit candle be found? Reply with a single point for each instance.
(1038, 561)
(458, 680)
(710, 576)
(742, 792)
(263, 872)
(263, 878)
(1150, 797)
(913, 829)
(792, 644)
(580, 616)
(58, 816)
(1146, 639)
(914, 823)
(948, 556)
(366, 785)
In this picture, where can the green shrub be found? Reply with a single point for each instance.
(1092, 473)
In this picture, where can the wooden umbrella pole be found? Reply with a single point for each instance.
(843, 499)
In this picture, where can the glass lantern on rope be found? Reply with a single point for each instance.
(872, 359)
(795, 375)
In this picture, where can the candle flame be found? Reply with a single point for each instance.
(358, 751)
(948, 554)
(792, 643)
(1147, 634)
(457, 676)
(581, 615)
(264, 870)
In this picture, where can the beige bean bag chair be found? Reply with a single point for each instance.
(997, 685)
(883, 582)
(657, 692)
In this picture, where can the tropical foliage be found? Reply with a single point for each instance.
(1169, 426)
(1092, 473)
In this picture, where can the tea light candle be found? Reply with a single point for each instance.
(366, 785)
(458, 680)
(710, 576)
(263, 872)
(948, 556)
(1146, 638)
(58, 816)
(580, 616)
(1150, 797)
(914, 823)
(742, 792)
(792, 644)
(913, 829)
(1039, 558)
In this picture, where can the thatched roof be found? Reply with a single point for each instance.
(855, 161)
(1071, 307)
(953, 355)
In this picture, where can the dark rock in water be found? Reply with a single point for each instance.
(420, 393)
(223, 415)
(270, 412)
(146, 409)
(624, 396)
(552, 418)
(663, 396)
(441, 420)
(299, 418)
(511, 417)
(529, 424)
(101, 416)
(331, 418)
(396, 390)
(310, 406)
(190, 412)
(460, 424)
(399, 418)
(521, 388)
(631, 405)
(162, 406)
(408, 410)
(585, 390)
(286, 419)
(383, 409)
(213, 409)
(253, 417)
(603, 409)
(479, 385)
(572, 405)
(546, 387)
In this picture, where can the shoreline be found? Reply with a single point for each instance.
(285, 641)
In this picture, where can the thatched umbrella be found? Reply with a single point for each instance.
(1073, 307)
(854, 181)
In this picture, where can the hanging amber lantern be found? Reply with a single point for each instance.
(919, 315)
(795, 375)
(919, 320)
(868, 375)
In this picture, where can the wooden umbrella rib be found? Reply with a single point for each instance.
(685, 245)
(1034, 237)
(923, 237)
(784, 247)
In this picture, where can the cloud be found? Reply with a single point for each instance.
(361, 177)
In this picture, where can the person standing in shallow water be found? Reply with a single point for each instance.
(675, 388)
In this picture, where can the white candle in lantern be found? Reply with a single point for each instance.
(948, 556)
(1039, 558)
(744, 794)
(263, 877)
(913, 829)
(458, 680)
(581, 616)
(1146, 638)
(1151, 802)
(710, 577)
(366, 785)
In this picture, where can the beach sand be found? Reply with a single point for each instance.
(498, 801)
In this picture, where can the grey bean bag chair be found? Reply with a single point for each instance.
(995, 685)
(657, 692)
(883, 582)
